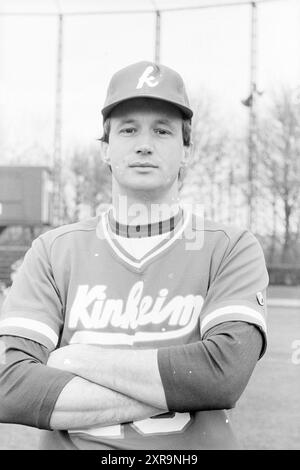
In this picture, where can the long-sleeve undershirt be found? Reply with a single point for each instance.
(212, 373)
(209, 374)
(28, 388)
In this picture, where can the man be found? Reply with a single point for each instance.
(136, 329)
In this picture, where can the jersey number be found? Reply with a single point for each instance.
(162, 424)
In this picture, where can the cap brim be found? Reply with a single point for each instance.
(187, 112)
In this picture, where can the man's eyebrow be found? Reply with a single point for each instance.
(126, 121)
(165, 122)
(159, 121)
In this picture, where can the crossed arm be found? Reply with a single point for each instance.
(111, 387)
(209, 374)
(34, 394)
(83, 404)
(84, 386)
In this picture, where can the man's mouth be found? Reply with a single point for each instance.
(143, 165)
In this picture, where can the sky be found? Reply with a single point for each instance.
(210, 48)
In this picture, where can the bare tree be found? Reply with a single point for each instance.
(91, 180)
(215, 170)
(279, 149)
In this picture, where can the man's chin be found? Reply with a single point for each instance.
(150, 187)
(155, 188)
(146, 183)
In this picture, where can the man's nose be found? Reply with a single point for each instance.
(144, 149)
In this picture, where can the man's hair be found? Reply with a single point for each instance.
(186, 131)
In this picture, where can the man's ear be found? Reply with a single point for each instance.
(105, 152)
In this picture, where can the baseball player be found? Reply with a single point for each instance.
(139, 328)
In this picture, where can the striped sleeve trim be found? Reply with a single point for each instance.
(232, 313)
(8, 325)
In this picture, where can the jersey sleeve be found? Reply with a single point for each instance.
(237, 291)
(33, 308)
(28, 388)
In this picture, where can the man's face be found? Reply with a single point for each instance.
(145, 147)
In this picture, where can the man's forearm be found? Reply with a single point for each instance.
(85, 404)
(211, 373)
(131, 372)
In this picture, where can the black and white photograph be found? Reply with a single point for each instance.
(149, 227)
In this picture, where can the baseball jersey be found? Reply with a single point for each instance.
(79, 285)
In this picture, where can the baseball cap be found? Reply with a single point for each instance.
(147, 80)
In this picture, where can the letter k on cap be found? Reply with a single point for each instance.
(146, 78)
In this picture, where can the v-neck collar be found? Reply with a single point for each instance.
(104, 230)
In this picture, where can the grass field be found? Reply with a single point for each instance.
(267, 416)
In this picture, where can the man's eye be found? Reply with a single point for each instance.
(162, 131)
(128, 130)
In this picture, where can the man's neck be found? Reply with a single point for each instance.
(144, 208)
